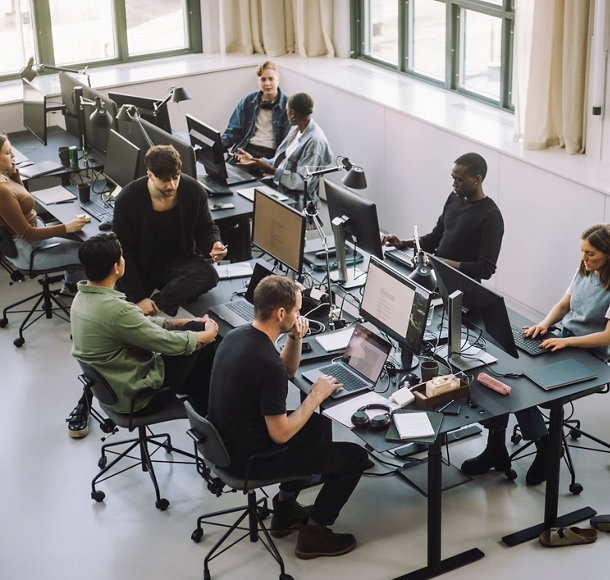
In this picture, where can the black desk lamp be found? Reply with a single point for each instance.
(31, 70)
(176, 94)
(101, 117)
(422, 274)
(132, 114)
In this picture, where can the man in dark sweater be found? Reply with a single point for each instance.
(164, 224)
(468, 234)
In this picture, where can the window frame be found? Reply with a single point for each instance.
(453, 49)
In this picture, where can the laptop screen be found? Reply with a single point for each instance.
(366, 352)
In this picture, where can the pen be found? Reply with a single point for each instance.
(64, 201)
(445, 406)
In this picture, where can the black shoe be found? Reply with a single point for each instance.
(78, 421)
(536, 474)
(494, 456)
(169, 309)
(315, 541)
(287, 516)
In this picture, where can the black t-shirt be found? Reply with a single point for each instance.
(166, 248)
(249, 381)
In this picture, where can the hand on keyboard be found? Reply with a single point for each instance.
(323, 387)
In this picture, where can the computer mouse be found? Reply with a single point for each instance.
(105, 226)
(409, 379)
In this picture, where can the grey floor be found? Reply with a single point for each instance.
(51, 529)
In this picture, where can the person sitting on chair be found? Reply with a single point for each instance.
(468, 234)
(146, 360)
(247, 405)
(164, 223)
(584, 313)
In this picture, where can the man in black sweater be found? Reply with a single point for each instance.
(164, 224)
(468, 234)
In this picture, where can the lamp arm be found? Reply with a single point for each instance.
(159, 104)
(324, 171)
(143, 131)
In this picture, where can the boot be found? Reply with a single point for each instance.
(536, 474)
(495, 455)
(315, 541)
(287, 516)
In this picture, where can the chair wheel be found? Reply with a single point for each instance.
(515, 439)
(574, 434)
(102, 461)
(286, 577)
(197, 535)
(98, 495)
(511, 474)
(162, 504)
(19, 342)
(575, 488)
(3, 322)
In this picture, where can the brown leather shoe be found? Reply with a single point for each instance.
(315, 541)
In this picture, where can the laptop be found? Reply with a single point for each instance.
(360, 366)
(559, 374)
(241, 311)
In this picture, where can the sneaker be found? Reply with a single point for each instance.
(78, 421)
(317, 541)
(287, 516)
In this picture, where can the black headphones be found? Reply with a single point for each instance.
(378, 422)
(265, 104)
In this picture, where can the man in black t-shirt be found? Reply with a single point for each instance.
(468, 234)
(247, 405)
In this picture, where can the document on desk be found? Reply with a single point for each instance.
(338, 340)
(413, 425)
(343, 412)
(57, 194)
(248, 192)
(235, 270)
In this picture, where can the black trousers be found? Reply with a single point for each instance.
(311, 452)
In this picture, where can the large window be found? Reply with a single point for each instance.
(461, 45)
(95, 32)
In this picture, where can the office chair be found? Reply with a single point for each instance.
(208, 443)
(46, 302)
(571, 429)
(103, 392)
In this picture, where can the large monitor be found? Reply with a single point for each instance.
(485, 309)
(94, 137)
(278, 230)
(208, 148)
(67, 83)
(34, 111)
(397, 306)
(354, 219)
(133, 133)
(146, 108)
(121, 160)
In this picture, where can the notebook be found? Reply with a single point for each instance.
(360, 366)
(241, 311)
(559, 374)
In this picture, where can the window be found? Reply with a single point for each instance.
(461, 45)
(96, 32)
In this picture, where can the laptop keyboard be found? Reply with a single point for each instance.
(401, 257)
(243, 308)
(350, 381)
(98, 209)
(528, 345)
(213, 187)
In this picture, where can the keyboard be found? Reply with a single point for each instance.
(528, 345)
(402, 257)
(214, 187)
(98, 209)
(350, 381)
(243, 308)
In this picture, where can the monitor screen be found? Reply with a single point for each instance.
(95, 137)
(133, 133)
(121, 159)
(278, 230)
(396, 305)
(485, 308)
(362, 226)
(146, 108)
(34, 111)
(208, 148)
(67, 84)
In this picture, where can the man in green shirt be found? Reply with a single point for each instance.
(134, 352)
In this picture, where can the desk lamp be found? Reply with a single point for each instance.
(130, 113)
(422, 274)
(176, 94)
(30, 70)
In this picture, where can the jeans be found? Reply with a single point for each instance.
(310, 452)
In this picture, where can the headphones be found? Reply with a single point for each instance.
(378, 422)
(265, 104)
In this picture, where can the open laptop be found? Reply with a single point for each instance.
(360, 366)
(241, 311)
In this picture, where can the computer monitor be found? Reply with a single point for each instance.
(353, 219)
(278, 230)
(397, 306)
(67, 83)
(485, 309)
(208, 148)
(95, 138)
(146, 108)
(132, 132)
(34, 111)
(121, 160)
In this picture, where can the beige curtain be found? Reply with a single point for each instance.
(276, 27)
(551, 55)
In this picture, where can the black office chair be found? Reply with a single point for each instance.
(46, 301)
(103, 392)
(572, 430)
(209, 444)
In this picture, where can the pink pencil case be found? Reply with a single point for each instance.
(494, 384)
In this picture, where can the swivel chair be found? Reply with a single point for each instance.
(103, 392)
(46, 301)
(208, 443)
